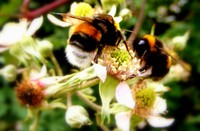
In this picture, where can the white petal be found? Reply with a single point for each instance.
(123, 120)
(158, 87)
(57, 22)
(72, 7)
(100, 71)
(157, 121)
(160, 106)
(48, 81)
(118, 19)
(12, 33)
(113, 11)
(124, 12)
(124, 96)
(34, 26)
(42, 73)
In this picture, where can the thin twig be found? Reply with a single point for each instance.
(88, 102)
(69, 99)
(25, 6)
(42, 10)
(56, 64)
(35, 123)
(103, 127)
(138, 25)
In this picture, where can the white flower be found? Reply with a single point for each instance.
(125, 97)
(13, 33)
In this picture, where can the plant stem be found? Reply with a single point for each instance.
(42, 10)
(77, 87)
(88, 102)
(103, 127)
(138, 25)
(100, 124)
(56, 64)
(24, 7)
(69, 99)
(34, 125)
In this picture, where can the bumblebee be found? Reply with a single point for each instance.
(90, 37)
(155, 61)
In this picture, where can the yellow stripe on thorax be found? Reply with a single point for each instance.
(152, 41)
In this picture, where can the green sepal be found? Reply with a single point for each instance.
(107, 93)
(116, 108)
(135, 120)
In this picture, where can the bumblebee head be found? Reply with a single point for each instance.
(141, 46)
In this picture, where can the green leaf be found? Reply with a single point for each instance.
(107, 93)
(9, 8)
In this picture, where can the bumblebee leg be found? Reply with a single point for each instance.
(99, 52)
(144, 68)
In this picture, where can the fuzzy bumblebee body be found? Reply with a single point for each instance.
(90, 37)
(153, 56)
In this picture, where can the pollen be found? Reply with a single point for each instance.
(83, 9)
(121, 56)
(29, 94)
(145, 97)
(119, 63)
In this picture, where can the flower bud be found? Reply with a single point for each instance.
(9, 73)
(26, 51)
(18, 53)
(45, 48)
(125, 13)
(77, 116)
(179, 42)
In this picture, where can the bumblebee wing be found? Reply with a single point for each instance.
(66, 16)
(165, 52)
(175, 58)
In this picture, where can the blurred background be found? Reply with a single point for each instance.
(172, 18)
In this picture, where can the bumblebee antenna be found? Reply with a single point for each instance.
(127, 30)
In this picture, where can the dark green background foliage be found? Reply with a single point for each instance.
(183, 99)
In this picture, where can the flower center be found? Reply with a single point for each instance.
(145, 98)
